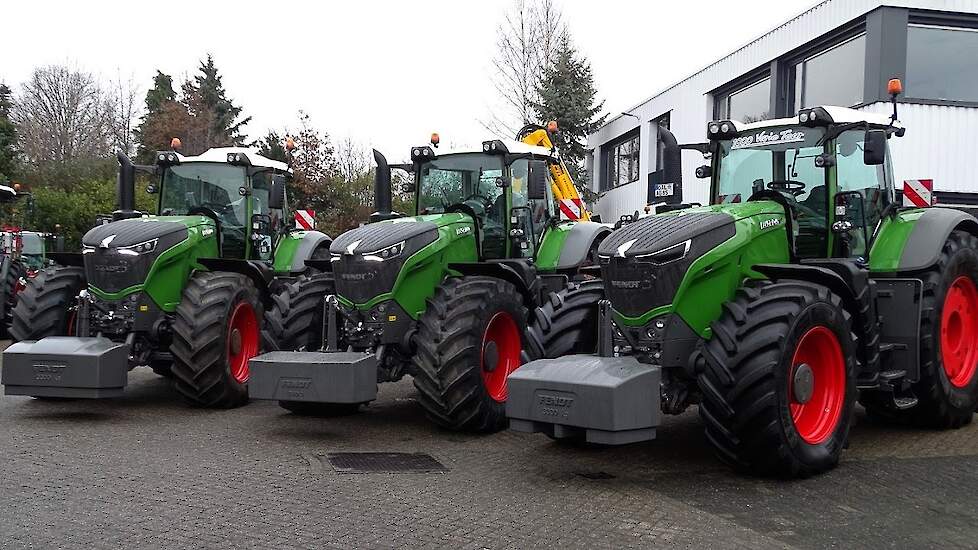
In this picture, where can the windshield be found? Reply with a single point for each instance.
(32, 244)
(205, 186)
(782, 160)
(457, 179)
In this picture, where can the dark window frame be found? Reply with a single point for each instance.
(791, 68)
(738, 84)
(608, 154)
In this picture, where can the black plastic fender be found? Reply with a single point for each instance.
(519, 272)
(258, 271)
(311, 241)
(67, 259)
(928, 235)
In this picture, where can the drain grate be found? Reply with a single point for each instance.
(391, 463)
(595, 475)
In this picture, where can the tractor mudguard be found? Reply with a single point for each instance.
(66, 366)
(307, 246)
(606, 400)
(926, 240)
(581, 239)
(314, 377)
(519, 272)
(256, 270)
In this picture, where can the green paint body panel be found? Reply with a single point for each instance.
(551, 246)
(884, 256)
(714, 278)
(285, 251)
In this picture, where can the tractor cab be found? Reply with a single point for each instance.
(506, 188)
(829, 166)
(242, 191)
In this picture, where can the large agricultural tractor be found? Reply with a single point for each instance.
(803, 288)
(444, 294)
(182, 292)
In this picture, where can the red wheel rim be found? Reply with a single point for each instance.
(72, 320)
(959, 332)
(502, 339)
(242, 341)
(816, 418)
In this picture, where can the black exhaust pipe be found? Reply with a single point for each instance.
(671, 171)
(383, 199)
(125, 188)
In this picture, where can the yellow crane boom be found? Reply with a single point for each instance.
(563, 186)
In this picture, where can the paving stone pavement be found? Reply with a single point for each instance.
(146, 471)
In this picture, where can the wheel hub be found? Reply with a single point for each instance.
(803, 383)
(490, 356)
(235, 341)
(959, 332)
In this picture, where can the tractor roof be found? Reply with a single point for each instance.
(514, 147)
(220, 154)
(840, 115)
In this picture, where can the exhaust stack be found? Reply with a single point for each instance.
(125, 188)
(672, 169)
(383, 199)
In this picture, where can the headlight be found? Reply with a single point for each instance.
(385, 253)
(140, 248)
(88, 249)
(668, 254)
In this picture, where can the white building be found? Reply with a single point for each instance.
(840, 52)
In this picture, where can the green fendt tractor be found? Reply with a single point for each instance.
(182, 292)
(442, 295)
(804, 287)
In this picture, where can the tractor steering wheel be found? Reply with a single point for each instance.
(790, 187)
(204, 211)
(486, 202)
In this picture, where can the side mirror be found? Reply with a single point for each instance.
(704, 171)
(151, 189)
(874, 147)
(276, 195)
(537, 180)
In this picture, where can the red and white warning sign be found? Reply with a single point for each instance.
(571, 209)
(305, 219)
(918, 193)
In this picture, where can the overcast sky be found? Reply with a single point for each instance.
(386, 73)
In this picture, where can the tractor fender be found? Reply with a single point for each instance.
(520, 273)
(307, 246)
(259, 272)
(67, 259)
(927, 238)
(582, 238)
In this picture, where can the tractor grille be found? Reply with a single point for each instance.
(111, 271)
(359, 279)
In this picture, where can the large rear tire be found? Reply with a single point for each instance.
(215, 333)
(12, 271)
(778, 380)
(947, 391)
(469, 340)
(567, 322)
(46, 306)
(295, 323)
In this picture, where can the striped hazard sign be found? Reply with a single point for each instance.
(305, 219)
(571, 209)
(918, 193)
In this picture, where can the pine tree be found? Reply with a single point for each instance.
(272, 146)
(8, 137)
(155, 129)
(567, 95)
(208, 90)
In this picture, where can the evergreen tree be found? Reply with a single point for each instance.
(207, 89)
(272, 146)
(154, 131)
(8, 137)
(567, 95)
(161, 92)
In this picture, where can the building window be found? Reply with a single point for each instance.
(833, 77)
(748, 104)
(623, 157)
(941, 63)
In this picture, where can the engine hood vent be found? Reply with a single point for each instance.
(133, 231)
(656, 233)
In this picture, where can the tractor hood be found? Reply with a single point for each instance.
(118, 255)
(367, 261)
(644, 262)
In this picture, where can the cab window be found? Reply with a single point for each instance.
(870, 182)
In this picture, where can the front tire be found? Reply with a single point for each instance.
(469, 340)
(215, 333)
(567, 322)
(46, 306)
(778, 380)
(13, 270)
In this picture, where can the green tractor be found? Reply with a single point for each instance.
(443, 295)
(182, 292)
(803, 288)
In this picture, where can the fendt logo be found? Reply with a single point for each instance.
(48, 373)
(626, 285)
(112, 268)
(773, 222)
(365, 276)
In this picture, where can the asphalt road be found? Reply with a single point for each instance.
(147, 471)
